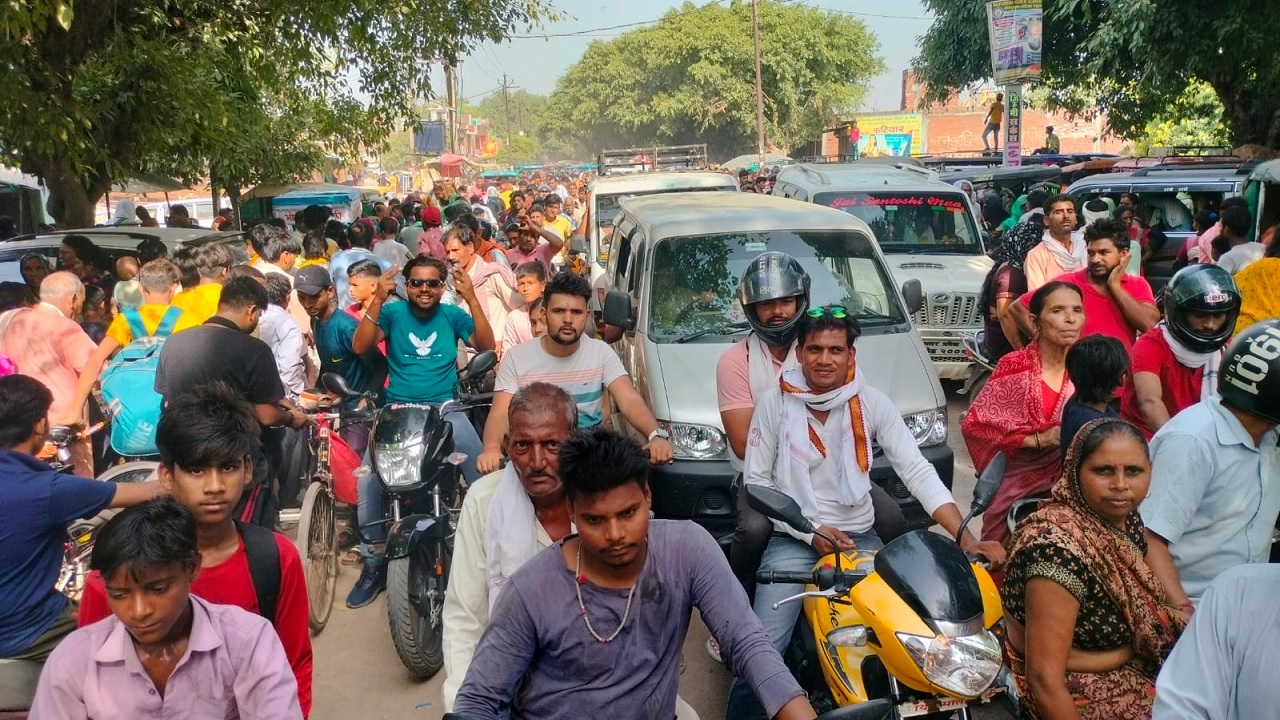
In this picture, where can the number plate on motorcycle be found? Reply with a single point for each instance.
(926, 707)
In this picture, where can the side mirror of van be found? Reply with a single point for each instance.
(577, 245)
(913, 293)
(617, 310)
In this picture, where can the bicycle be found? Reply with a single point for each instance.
(333, 480)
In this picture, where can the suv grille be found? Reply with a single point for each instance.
(949, 310)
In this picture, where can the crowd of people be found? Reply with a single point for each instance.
(1148, 426)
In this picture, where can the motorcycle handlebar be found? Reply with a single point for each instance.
(768, 577)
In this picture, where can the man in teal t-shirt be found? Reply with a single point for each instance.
(422, 350)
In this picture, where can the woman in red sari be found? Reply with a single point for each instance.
(1019, 411)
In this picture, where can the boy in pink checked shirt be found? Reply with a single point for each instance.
(164, 653)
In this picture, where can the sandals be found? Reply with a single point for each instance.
(352, 557)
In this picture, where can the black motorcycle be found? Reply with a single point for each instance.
(413, 455)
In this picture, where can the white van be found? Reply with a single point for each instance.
(928, 232)
(608, 191)
(672, 279)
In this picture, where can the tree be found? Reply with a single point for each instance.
(1135, 60)
(244, 89)
(1196, 120)
(690, 78)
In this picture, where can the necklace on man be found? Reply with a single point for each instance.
(577, 571)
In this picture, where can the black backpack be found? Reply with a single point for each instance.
(264, 566)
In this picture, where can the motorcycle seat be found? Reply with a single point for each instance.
(18, 679)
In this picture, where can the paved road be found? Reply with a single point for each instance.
(357, 673)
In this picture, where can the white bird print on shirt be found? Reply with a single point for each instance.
(423, 346)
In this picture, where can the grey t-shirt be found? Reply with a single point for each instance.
(537, 659)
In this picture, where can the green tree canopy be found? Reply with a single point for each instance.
(691, 78)
(1136, 60)
(249, 90)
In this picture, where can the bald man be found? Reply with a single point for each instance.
(127, 268)
(47, 343)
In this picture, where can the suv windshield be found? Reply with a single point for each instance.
(605, 212)
(911, 222)
(695, 280)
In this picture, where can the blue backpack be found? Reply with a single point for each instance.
(128, 386)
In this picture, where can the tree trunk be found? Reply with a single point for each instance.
(70, 203)
(1252, 113)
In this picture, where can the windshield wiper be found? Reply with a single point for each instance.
(729, 329)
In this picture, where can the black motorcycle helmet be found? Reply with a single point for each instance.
(1250, 375)
(1201, 288)
(773, 275)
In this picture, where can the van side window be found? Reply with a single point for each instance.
(617, 241)
(621, 255)
(635, 272)
(800, 195)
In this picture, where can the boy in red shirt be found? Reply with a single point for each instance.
(1175, 364)
(204, 437)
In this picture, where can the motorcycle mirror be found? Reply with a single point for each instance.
(869, 710)
(777, 506)
(482, 363)
(984, 491)
(335, 383)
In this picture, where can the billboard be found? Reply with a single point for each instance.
(890, 135)
(1015, 28)
(428, 137)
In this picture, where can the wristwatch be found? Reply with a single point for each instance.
(660, 433)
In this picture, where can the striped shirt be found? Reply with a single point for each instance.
(584, 375)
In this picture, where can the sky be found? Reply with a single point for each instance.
(534, 62)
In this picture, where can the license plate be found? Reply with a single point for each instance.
(927, 707)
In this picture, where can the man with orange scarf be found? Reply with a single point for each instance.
(812, 440)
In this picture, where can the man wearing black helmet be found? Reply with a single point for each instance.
(774, 294)
(1175, 364)
(1215, 473)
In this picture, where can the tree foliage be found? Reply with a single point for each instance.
(1136, 60)
(249, 90)
(691, 78)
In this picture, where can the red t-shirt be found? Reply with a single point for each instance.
(230, 584)
(1102, 315)
(1179, 383)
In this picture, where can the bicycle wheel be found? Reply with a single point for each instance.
(318, 545)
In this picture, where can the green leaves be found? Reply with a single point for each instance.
(691, 78)
(1135, 60)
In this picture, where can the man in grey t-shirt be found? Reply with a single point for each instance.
(597, 620)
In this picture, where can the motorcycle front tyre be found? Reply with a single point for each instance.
(419, 644)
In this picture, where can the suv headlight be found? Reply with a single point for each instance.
(399, 465)
(964, 666)
(929, 428)
(696, 442)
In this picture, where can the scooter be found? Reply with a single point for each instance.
(917, 624)
(412, 452)
(18, 678)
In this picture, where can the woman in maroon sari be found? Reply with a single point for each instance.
(1019, 411)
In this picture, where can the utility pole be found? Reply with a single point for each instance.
(755, 31)
(451, 109)
(506, 110)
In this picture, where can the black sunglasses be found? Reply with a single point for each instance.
(427, 282)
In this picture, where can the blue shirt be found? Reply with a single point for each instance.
(422, 353)
(333, 343)
(39, 503)
(1214, 494)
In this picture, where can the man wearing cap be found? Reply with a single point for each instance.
(333, 332)
(429, 241)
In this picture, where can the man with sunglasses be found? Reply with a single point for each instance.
(811, 438)
(422, 350)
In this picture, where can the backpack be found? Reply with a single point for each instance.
(128, 386)
(264, 566)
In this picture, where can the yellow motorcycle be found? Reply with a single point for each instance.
(917, 623)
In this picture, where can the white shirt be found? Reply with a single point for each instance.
(1224, 665)
(466, 602)
(1241, 257)
(888, 432)
(282, 335)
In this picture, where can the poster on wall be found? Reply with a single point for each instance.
(890, 135)
(1015, 28)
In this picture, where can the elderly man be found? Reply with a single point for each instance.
(46, 343)
(495, 284)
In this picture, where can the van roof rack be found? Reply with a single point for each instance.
(653, 159)
(1239, 167)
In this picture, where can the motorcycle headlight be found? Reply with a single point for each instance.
(696, 442)
(965, 666)
(852, 636)
(929, 428)
(398, 465)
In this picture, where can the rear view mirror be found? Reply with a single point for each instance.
(617, 310)
(777, 506)
(577, 245)
(984, 491)
(335, 383)
(482, 363)
(913, 294)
